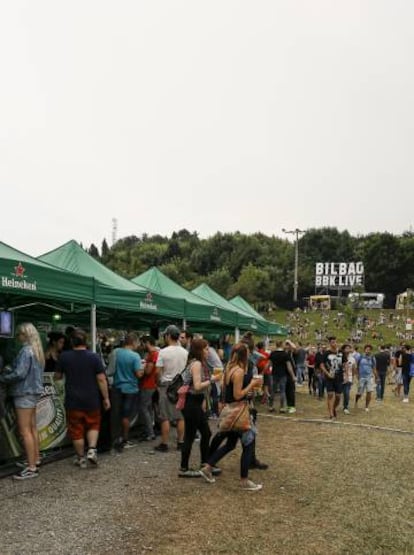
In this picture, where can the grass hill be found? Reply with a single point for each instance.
(376, 327)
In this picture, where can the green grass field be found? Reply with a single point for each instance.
(304, 325)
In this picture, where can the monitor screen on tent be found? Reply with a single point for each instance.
(6, 323)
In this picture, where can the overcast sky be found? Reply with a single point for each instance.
(219, 115)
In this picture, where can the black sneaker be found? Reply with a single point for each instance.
(216, 471)
(126, 444)
(258, 465)
(26, 474)
(180, 445)
(161, 448)
(24, 464)
(146, 438)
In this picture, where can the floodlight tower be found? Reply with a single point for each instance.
(296, 232)
(114, 230)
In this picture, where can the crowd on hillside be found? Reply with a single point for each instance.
(374, 327)
(187, 383)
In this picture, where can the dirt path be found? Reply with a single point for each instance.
(329, 489)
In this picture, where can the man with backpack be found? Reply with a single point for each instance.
(367, 374)
(171, 361)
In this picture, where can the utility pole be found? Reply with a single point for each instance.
(296, 232)
(114, 231)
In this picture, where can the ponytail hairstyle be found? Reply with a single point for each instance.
(239, 357)
(32, 338)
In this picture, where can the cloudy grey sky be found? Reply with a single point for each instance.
(221, 115)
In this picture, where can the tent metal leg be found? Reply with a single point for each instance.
(93, 327)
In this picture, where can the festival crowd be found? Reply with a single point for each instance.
(186, 384)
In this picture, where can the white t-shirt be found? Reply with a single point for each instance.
(173, 360)
(348, 369)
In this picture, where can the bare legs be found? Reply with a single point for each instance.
(26, 421)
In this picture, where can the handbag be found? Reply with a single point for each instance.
(182, 395)
(235, 417)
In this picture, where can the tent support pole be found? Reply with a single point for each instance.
(93, 327)
(184, 324)
(236, 335)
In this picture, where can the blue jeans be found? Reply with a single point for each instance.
(346, 390)
(278, 382)
(321, 385)
(381, 386)
(146, 413)
(406, 381)
(300, 372)
(220, 452)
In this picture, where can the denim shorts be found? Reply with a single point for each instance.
(26, 401)
(365, 384)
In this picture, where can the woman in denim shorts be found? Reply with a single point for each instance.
(25, 377)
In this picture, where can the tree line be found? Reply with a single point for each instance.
(260, 267)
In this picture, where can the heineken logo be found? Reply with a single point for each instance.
(215, 315)
(19, 270)
(147, 303)
(19, 280)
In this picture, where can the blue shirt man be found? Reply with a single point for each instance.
(127, 365)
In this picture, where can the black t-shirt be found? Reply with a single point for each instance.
(80, 368)
(50, 364)
(319, 359)
(382, 360)
(405, 362)
(334, 364)
(279, 361)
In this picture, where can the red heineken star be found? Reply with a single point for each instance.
(19, 270)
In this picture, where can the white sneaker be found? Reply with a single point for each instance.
(92, 456)
(346, 411)
(251, 486)
(405, 400)
(207, 475)
(367, 409)
(291, 410)
(80, 461)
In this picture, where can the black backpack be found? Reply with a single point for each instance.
(172, 389)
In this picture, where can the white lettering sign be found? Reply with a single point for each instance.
(339, 275)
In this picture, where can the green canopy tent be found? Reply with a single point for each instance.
(272, 328)
(245, 321)
(198, 311)
(124, 301)
(28, 283)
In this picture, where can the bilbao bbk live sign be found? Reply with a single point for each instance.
(339, 275)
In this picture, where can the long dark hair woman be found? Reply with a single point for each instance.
(196, 376)
(238, 383)
(53, 350)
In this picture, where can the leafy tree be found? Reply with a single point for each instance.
(104, 250)
(253, 284)
(93, 251)
(260, 267)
